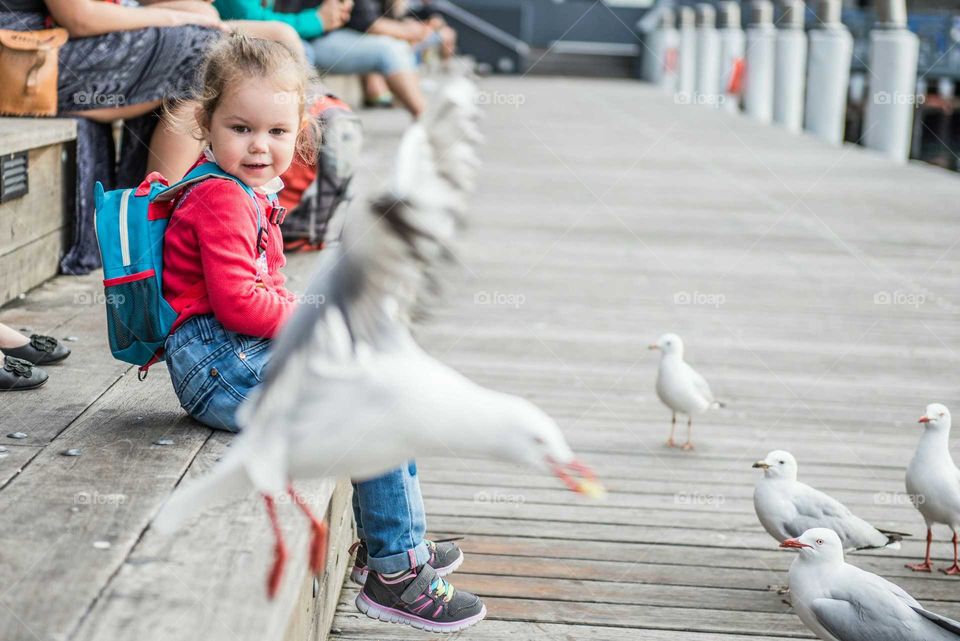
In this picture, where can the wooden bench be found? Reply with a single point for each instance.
(77, 558)
(34, 224)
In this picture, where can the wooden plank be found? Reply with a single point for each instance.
(29, 265)
(17, 134)
(40, 211)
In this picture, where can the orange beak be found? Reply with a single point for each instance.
(653, 347)
(924, 419)
(579, 478)
(795, 544)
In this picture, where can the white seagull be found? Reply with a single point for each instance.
(680, 387)
(841, 602)
(787, 508)
(933, 482)
(349, 393)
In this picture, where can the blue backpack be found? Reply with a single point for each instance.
(130, 225)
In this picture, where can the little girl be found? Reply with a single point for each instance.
(222, 255)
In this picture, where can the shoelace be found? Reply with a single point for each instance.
(442, 589)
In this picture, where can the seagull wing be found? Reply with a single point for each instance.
(817, 509)
(865, 607)
(700, 384)
(360, 300)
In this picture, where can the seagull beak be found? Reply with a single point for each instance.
(761, 465)
(924, 419)
(653, 346)
(579, 478)
(794, 543)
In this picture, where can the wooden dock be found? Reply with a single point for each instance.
(815, 288)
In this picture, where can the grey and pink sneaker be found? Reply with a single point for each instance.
(420, 598)
(445, 557)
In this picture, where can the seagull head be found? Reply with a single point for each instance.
(531, 437)
(778, 464)
(669, 344)
(819, 544)
(936, 418)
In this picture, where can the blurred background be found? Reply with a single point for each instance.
(609, 39)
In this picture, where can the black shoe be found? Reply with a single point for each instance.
(18, 374)
(445, 558)
(41, 350)
(421, 599)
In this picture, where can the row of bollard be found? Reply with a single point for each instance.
(783, 74)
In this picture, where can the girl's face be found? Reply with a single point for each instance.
(253, 131)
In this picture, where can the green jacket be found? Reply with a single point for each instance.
(307, 23)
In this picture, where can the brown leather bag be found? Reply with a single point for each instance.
(28, 71)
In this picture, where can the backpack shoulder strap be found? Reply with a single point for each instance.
(210, 170)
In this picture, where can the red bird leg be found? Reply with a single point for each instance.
(318, 544)
(955, 568)
(926, 566)
(280, 550)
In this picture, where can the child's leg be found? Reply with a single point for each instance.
(391, 519)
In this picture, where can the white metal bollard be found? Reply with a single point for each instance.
(652, 25)
(790, 77)
(888, 122)
(687, 63)
(669, 79)
(731, 56)
(761, 47)
(708, 56)
(828, 73)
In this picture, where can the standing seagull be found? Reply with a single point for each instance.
(348, 392)
(933, 482)
(841, 602)
(680, 387)
(787, 508)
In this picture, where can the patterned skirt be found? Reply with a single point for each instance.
(123, 67)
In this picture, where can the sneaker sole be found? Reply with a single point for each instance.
(382, 613)
(359, 575)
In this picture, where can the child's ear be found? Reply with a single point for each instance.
(203, 122)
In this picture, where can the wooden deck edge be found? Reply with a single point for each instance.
(312, 616)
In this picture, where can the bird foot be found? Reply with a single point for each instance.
(688, 446)
(319, 529)
(318, 547)
(952, 570)
(671, 443)
(926, 566)
(276, 573)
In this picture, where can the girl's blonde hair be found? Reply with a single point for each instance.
(238, 57)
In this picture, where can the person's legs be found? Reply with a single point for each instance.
(347, 52)
(171, 151)
(391, 520)
(10, 337)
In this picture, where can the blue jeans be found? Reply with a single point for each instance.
(213, 370)
(346, 51)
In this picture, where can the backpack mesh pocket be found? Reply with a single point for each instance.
(130, 300)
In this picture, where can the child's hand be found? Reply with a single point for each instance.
(333, 14)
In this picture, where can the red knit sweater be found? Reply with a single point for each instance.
(212, 238)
